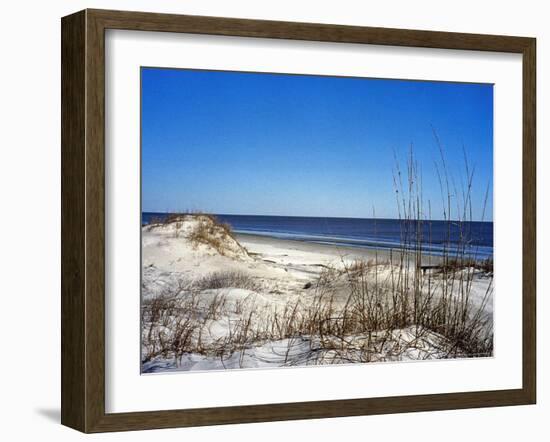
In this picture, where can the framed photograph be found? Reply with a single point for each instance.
(269, 220)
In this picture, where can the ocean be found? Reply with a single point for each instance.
(476, 238)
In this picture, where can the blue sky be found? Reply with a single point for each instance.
(275, 144)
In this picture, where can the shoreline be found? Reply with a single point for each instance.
(267, 245)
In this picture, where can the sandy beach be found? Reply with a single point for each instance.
(291, 252)
(247, 299)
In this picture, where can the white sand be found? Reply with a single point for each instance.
(283, 271)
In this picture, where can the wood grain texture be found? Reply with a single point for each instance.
(144, 21)
(83, 220)
(73, 256)
(95, 222)
(529, 221)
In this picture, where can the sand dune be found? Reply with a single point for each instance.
(237, 301)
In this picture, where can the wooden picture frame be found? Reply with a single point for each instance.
(83, 220)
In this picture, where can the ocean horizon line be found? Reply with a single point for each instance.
(309, 216)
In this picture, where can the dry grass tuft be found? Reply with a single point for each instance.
(230, 279)
(210, 232)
